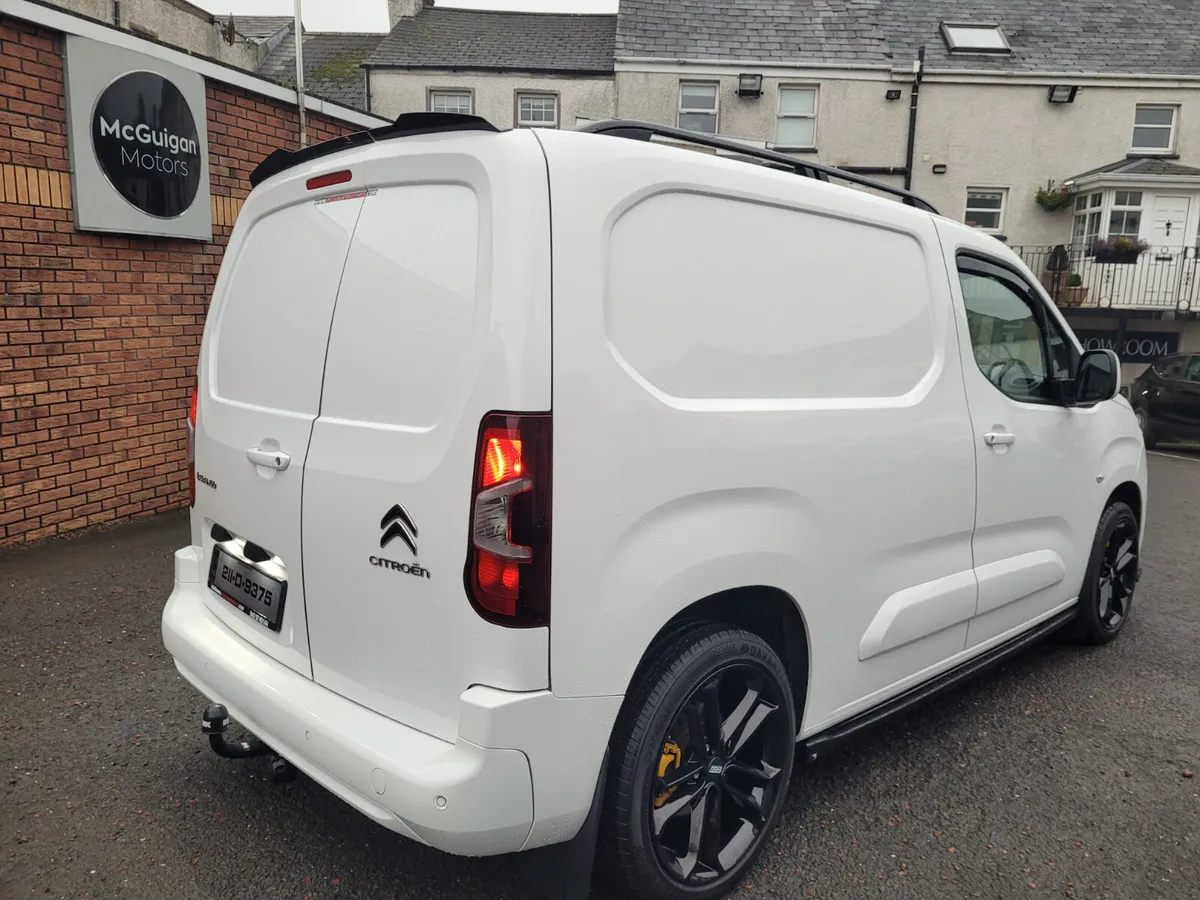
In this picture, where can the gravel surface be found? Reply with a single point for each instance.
(1066, 772)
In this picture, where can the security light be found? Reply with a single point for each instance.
(1063, 93)
(749, 85)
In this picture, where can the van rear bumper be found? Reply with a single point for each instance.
(473, 797)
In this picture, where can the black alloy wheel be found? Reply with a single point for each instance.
(709, 808)
(700, 763)
(1118, 575)
(1106, 598)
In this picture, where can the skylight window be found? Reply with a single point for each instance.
(975, 38)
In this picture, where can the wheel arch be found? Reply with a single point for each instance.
(766, 611)
(1129, 493)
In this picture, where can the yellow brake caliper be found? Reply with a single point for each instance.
(671, 757)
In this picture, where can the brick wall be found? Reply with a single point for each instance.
(99, 334)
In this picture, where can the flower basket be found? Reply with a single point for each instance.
(1118, 250)
(1052, 199)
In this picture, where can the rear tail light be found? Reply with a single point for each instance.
(191, 445)
(508, 563)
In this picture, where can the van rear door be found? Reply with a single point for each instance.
(259, 389)
(443, 316)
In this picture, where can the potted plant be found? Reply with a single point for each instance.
(1118, 250)
(1074, 293)
(1052, 199)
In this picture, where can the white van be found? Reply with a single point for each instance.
(552, 483)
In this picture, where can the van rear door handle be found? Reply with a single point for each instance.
(272, 459)
(999, 438)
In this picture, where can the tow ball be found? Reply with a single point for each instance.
(215, 723)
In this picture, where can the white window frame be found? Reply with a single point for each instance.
(1003, 192)
(1173, 129)
(715, 112)
(963, 30)
(537, 95)
(451, 92)
(780, 114)
(1124, 208)
(1084, 211)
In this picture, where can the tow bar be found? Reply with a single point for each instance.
(215, 723)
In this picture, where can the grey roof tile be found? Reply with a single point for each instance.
(258, 28)
(440, 38)
(332, 65)
(1138, 36)
(1140, 165)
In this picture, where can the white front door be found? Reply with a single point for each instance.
(1168, 235)
(1168, 221)
(1036, 461)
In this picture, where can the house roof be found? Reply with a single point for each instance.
(332, 65)
(487, 40)
(1136, 36)
(257, 29)
(785, 31)
(1147, 166)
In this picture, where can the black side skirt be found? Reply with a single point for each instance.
(819, 745)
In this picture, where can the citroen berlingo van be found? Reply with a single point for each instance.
(560, 490)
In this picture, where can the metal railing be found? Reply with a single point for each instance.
(1160, 278)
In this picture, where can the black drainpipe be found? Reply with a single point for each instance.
(117, 13)
(912, 120)
(367, 86)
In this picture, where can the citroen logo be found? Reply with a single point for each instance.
(399, 524)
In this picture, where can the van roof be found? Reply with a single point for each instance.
(410, 124)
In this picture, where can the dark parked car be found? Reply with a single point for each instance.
(1166, 399)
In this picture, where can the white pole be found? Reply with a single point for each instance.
(298, 28)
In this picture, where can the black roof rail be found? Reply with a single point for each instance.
(406, 124)
(644, 131)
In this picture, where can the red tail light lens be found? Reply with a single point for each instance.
(191, 445)
(508, 563)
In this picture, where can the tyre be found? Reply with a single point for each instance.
(1106, 599)
(1148, 433)
(699, 766)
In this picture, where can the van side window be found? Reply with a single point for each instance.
(1008, 338)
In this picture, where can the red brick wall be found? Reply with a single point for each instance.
(99, 334)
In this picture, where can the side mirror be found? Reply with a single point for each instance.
(1097, 378)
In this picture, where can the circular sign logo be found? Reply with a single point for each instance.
(147, 145)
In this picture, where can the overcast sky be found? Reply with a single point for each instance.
(371, 15)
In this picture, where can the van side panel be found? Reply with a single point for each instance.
(442, 317)
(757, 377)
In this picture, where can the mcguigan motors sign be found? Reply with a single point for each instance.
(139, 145)
(145, 140)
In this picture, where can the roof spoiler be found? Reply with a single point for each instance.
(407, 124)
(644, 131)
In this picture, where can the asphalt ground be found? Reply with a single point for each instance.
(1066, 772)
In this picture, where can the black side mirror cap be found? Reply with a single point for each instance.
(1097, 378)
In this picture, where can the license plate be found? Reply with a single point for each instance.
(256, 594)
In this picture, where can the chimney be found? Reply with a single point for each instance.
(405, 9)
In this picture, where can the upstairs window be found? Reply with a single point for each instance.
(698, 106)
(796, 126)
(537, 111)
(1154, 128)
(963, 37)
(985, 209)
(450, 102)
